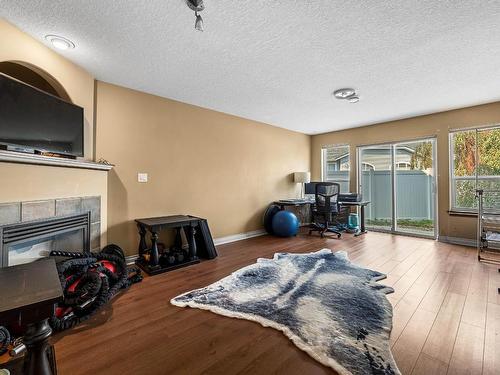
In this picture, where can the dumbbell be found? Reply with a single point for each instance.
(179, 257)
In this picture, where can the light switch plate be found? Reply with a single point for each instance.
(142, 177)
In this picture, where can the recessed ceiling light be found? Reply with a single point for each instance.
(344, 93)
(60, 42)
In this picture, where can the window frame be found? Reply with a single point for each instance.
(323, 163)
(452, 178)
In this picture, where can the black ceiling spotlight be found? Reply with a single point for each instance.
(197, 6)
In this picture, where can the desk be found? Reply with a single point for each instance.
(28, 293)
(362, 204)
(293, 203)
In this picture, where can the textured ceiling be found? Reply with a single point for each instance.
(278, 61)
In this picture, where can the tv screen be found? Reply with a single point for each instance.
(33, 120)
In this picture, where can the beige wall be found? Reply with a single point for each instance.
(15, 45)
(436, 125)
(22, 182)
(200, 162)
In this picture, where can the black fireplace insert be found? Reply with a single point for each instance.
(25, 242)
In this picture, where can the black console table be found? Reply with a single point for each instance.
(197, 232)
(28, 293)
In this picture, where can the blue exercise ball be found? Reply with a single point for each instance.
(285, 224)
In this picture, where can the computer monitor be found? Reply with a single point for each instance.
(310, 188)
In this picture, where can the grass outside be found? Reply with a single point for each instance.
(419, 225)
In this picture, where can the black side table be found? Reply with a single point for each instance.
(28, 293)
(198, 236)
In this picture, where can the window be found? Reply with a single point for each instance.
(367, 166)
(475, 164)
(403, 166)
(336, 165)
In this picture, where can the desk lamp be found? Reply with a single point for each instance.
(302, 178)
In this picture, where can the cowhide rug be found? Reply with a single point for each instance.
(329, 307)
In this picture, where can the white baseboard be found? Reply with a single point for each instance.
(131, 259)
(458, 241)
(239, 237)
(217, 241)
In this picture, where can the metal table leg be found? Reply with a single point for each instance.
(362, 224)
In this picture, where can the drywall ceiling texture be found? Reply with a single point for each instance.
(279, 61)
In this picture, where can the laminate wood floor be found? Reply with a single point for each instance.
(446, 316)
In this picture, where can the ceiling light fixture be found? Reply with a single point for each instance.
(60, 42)
(347, 94)
(343, 93)
(198, 24)
(197, 6)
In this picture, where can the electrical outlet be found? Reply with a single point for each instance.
(142, 177)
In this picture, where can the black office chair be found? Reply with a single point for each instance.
(326, 209)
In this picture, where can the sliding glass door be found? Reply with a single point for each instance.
(415, 187)
(375, 169)
(399, 179)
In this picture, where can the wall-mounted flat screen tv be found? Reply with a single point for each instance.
(32, 120)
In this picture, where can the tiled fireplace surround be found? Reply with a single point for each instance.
(17, 212)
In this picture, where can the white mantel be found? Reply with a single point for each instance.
(19, 157)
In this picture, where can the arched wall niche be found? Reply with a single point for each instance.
(34, 76)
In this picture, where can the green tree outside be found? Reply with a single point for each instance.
(487, 162)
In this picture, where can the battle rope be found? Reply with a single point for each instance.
(4, 340)
(96, 284)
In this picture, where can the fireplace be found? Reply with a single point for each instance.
(28, 241)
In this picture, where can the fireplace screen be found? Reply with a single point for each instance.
(27, 242)
(31, 250)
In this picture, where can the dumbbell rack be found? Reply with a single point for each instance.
(199, 238)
